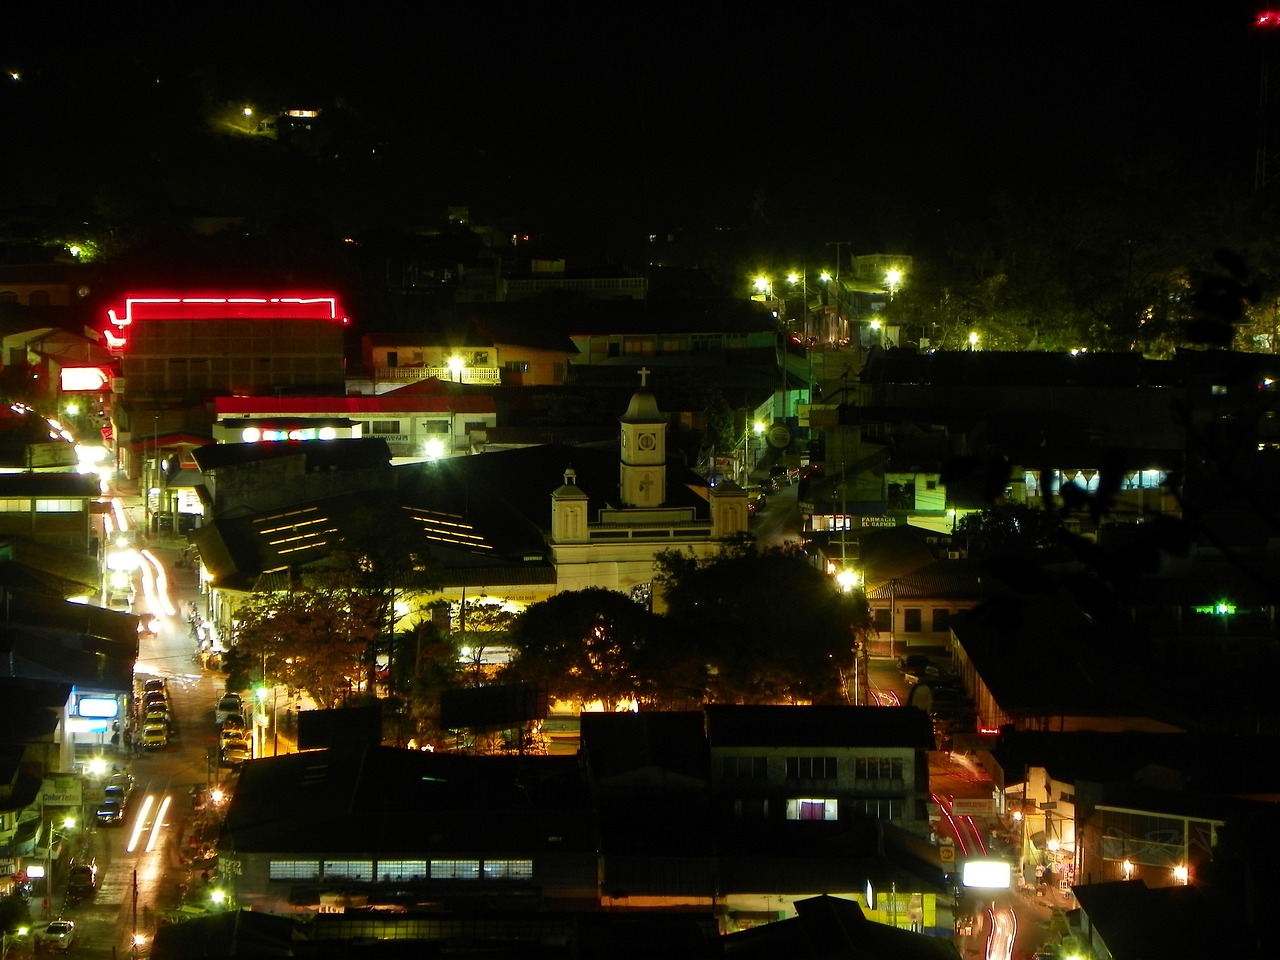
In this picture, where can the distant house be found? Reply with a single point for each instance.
(490, 347)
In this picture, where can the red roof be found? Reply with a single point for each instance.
(387, 403)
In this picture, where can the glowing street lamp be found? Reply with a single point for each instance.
(893, 278)
(455, 367)
(973, 341)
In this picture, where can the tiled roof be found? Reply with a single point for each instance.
(940, 579)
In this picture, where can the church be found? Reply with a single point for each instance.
(516, 525)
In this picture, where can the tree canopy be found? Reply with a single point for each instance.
(771, 626)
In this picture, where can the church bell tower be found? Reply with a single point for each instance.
(644, 449)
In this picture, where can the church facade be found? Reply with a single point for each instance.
(613, 544)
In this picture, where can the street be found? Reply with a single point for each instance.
(145, 865)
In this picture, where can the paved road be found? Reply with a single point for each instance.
(144, 864)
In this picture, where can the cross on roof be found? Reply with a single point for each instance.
(644, 372)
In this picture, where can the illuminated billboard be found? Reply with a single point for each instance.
(987, 874)
(98, 707)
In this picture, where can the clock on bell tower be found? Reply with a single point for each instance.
(644, 449)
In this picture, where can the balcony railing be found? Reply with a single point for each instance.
(482, 375)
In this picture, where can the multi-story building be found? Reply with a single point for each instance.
(420, 421)
(183, 346)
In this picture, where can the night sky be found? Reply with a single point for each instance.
(603, 125)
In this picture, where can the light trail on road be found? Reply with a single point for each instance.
(140, 823)
(1004, 932)
(157, 594)
(159, 823)
(946, 812)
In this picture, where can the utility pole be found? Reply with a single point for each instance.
(838, 244)
(134, 941)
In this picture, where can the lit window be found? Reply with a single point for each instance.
(398, 870)
(508, 869)
(293, 870)
(455, 869)
(810, 808)
(349, 869)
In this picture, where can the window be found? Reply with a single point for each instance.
(877, 768)
(883, 623)
(455, 869)
(516, 366)
(911, 620)
(941, 620)
(744, 768)
(293, 870)
(349, 869)
(398, 870)
(14, 505)
(385, 427)
(751, 808)
(59, 506)
(876, 808)
(508, 869)
(393, 358)
(812, 809)
(435, 426)
(811, 768)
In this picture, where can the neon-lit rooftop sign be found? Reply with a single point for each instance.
(227, 308)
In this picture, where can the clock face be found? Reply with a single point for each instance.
(647, 441)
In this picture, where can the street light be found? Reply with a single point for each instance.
(455, 367)
(893, 278)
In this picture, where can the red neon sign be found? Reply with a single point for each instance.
(226, 308)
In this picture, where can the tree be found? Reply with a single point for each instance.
(771, 627)
(382, 553)
(308, 639)
(481, 625)
(583, 645)
(1013, 525)
(436, 668)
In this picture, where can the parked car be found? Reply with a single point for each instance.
(155, 736)
(122, 780)
(914, 663)
(56, 937)
(110, 813)
(155, 684)
(235, 753)
(82, 878)
(229, 706)
(230, 735)
(155, 697)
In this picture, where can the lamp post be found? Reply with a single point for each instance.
(893, 278)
